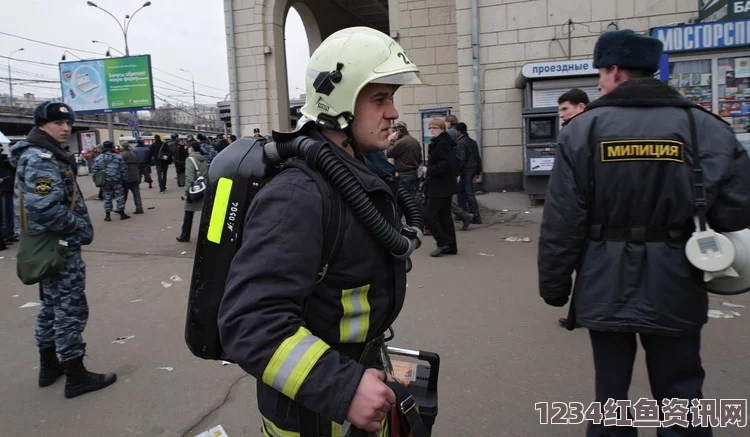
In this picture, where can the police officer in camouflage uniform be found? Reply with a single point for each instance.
(46, 181)
(116, 170)
(207, 149)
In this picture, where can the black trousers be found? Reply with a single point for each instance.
(187, 225)
(161, 174)
(674, 371)
(437, 216)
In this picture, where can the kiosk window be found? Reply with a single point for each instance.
(693, 80)
(542, 130)
(734, 95)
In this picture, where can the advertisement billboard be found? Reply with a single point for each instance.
(96, 86)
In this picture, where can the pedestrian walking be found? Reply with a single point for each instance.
(196, 165)
(143, 155)
(161, 156)
(116, 173)
(132, 183)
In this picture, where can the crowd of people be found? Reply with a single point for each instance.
(449, 172)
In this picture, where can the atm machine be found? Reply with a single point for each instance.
(540, 129)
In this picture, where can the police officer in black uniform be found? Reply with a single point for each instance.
(619, 209)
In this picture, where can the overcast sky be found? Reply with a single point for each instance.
(178, 34)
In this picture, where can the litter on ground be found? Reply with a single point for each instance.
(122, 340)
(31, 305)
(216, 431)
(718, 314)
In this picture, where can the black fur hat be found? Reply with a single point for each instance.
(53, 111)
(627, 49)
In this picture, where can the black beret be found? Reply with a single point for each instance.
(53, 111)
(627, 49)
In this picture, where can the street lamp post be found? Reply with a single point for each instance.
(195, 106)
(65, 53)
(10, 75)
(127, 20)
(109, 48)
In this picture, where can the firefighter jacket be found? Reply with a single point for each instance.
(302, 340)
(44, 176)
(619, 209)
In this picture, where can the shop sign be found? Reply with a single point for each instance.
(723, 10)
(559, 68)
(723, 34)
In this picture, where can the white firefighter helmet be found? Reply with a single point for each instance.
(343, 64)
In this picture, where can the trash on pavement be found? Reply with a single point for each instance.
(168, 369)
(175, 278)
(718, 314)
(225, 363)
(183, 252)
(122, 340)
(166, 284)
(136, 300)
(15, 295)
(485, 254)
(216, 431)
(732, 305)
(517, 239)
(31, 305)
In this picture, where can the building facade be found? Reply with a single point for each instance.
(525, 53)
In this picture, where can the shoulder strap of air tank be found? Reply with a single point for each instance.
(334, 212)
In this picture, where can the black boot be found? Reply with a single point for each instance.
(49, 367)
(79, 381)
(123, 216)
(106, 217)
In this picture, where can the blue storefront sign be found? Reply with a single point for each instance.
(704, 36)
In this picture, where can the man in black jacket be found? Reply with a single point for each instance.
(441, 186)
(618, 211)
(470, 165)
(161, 156)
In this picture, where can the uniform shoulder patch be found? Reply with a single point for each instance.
(45, 155)
(642, 150)
(43, 186)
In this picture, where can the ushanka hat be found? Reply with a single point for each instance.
(53, 111)
(628, 49)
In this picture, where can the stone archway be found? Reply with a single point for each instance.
(257, 57)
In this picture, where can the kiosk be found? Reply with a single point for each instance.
(540, 129)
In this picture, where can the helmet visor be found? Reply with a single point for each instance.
(405, 78)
